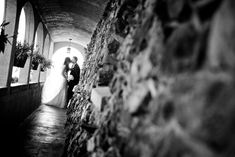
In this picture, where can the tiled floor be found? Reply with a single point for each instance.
(41, 135)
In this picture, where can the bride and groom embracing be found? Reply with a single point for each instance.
(58, 87)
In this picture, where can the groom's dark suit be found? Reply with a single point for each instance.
(75, 72)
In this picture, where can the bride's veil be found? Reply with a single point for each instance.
(55, 82)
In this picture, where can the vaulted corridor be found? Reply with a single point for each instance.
(117, 78)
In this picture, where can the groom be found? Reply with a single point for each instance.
(74, 77)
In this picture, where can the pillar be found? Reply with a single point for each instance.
(6, 59)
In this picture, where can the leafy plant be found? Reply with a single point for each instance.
(3, 36)
(38, 58)
(22, 50)
(46, 64)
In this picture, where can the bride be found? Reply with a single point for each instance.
(55, 87)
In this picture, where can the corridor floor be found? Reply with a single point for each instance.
(42, 134)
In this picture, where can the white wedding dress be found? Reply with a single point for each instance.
(55, 87)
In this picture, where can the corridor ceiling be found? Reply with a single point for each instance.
(75, 19)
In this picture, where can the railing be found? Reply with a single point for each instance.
(19, 101)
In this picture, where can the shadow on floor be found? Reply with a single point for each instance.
(42, 134)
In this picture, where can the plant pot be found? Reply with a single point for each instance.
(42, 69)
(35, 65)
(20, 62)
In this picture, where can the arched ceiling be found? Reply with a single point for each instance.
(74, 19)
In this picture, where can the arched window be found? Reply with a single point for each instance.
(45, 53)
(25, 35)
(2, 10)
(38, 48)
(21, 28)
(38, 39)
(20, 39)
(46, 46)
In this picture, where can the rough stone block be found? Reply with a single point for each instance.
(105, 75)
(113, 46)
(221, 40)
(91, 145)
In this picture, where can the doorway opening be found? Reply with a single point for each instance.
(60, 55)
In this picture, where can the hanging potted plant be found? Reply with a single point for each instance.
(3, 37)
(46, 64)
(22, 52)
(36, 60)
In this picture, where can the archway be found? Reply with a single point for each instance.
(59, 56)
(20, 40)
(38, 48)
(46, 48)
(25, 36)
(22, 26)
(59, 45)
(38, 42)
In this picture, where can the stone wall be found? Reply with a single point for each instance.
(170, 68)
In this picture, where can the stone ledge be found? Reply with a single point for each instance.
(98, 95)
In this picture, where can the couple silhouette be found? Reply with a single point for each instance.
(58, 87)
